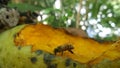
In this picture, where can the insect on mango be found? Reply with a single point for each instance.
(62, 48)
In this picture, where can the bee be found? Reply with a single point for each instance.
(62, 48)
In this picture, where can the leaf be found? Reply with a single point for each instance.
(24, 7)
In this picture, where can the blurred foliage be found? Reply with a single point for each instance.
(56, 17)
(103, 11)
(24, 7)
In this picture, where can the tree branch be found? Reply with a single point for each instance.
(78, 14)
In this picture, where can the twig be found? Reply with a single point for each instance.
(78, 14)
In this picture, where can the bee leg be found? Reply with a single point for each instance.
(62, 53)
(71, 51)
(55, 52)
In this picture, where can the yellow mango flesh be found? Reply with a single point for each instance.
(47, 38)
